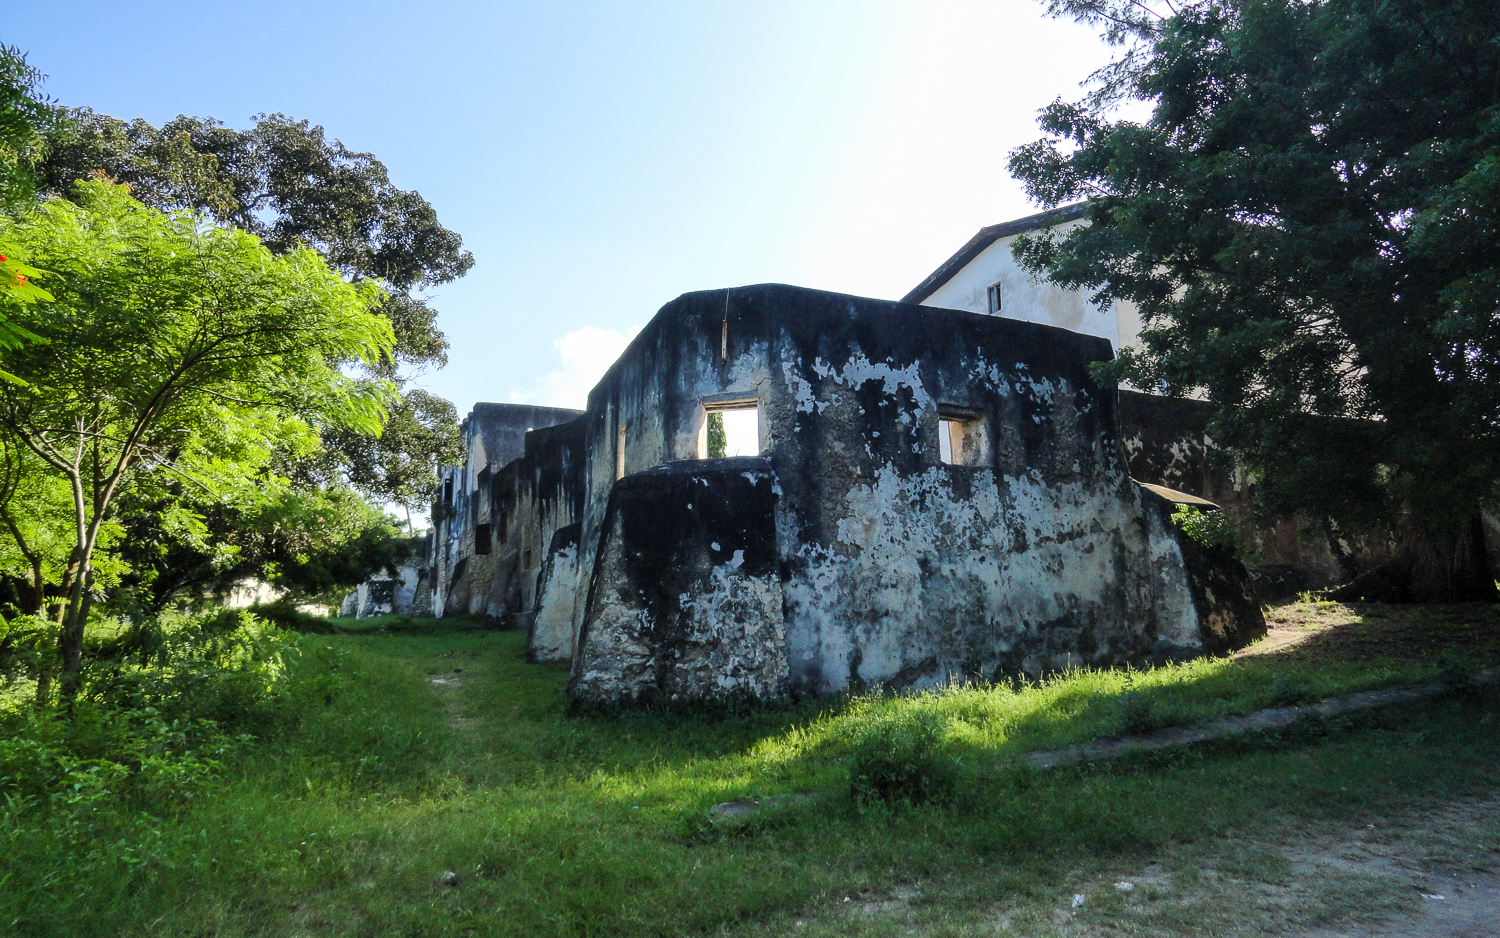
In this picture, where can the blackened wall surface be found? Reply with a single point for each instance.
(687, 600)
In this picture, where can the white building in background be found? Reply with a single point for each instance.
(983, 277)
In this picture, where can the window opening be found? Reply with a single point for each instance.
(994, 298)
(948, 428)
(448, 491)
(503, 524)
(730, 430)
(526, 561)
(481, 538)
(961, 438)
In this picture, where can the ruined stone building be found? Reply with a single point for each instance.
(931, 489)
(930, 494)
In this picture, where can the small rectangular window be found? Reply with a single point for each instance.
(948, 428)
(961, 437)
(481, 538)
(448, 491)
(526, 561)
(502, 524)
(994, 298)
(729, 429)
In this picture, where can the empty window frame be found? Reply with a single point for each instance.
(994, 299)
(481, 538)
(962, 440)
(448, 491)
(731, 427)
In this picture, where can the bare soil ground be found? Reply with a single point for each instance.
(1431, 872)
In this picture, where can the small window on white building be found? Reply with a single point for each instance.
(729, 429)
(994, 298)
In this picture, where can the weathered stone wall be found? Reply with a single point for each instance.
(686, 599)
(894, 567)
(533, 497)
(1167, 442)
(407, 593)
(494, 435)
(550, 637)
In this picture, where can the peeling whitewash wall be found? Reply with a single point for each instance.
(894, 567)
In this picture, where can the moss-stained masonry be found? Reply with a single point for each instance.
(850, 553)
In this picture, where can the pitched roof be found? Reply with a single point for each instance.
(984, 239)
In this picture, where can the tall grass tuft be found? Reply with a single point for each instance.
(898, 757)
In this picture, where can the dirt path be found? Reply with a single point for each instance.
(1432, 872)
(448, 681)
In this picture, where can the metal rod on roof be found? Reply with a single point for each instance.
(724, 333)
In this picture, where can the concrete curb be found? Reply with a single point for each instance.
(1174, 738)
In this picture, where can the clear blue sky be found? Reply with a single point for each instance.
(601, 158)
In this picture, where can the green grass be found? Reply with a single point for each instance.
(394, 623)
(599, 824)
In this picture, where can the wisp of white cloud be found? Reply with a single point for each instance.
(586, 355)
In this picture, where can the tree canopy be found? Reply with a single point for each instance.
(1310, 225)
(285, 182)
(172, 352)
(26, 117)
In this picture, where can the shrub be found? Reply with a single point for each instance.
(162, 702)
(1209, 528)
(284, 613)
(898, 757)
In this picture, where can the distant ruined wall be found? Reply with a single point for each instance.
(1166, 441)
(494, 435)
(533, 497)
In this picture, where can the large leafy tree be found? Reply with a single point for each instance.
(1310, 224)
(171, 349)
(25, 120)
(285, 182)
(308, 541)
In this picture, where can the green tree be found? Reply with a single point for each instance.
(1310, 225)
(25, 120)
(181, 543)
(718, 441)
(285, 182)
(173, 349)
(421, 433)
